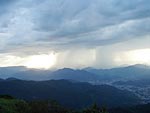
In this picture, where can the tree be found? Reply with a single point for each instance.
(95, 109)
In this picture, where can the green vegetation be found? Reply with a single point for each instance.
(11, 105)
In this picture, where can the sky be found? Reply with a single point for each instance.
(74, 33)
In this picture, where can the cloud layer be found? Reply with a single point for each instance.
(30, 27)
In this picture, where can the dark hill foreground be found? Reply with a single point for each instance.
(145, 108)
(73, 95)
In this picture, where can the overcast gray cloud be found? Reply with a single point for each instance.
(31, 27)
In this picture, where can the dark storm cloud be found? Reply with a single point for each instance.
(73, 21)
(72, 18)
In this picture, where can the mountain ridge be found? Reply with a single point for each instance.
(74, 95)
(90, 75)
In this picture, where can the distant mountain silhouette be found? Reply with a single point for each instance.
(91, 75)
(66, 73)
(133, 72)
(77, 75)
(6, 72)
(33, 74)
(11, 78)
(73, 95)
(140, 66)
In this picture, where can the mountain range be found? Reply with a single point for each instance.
(91, 75)
(72, 86)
